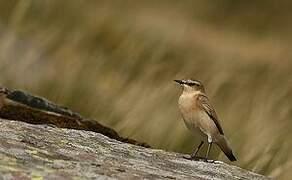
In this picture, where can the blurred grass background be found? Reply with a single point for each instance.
(114, 61)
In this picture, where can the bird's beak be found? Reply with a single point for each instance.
(178, 81)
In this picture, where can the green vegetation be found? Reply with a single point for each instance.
(114, 61)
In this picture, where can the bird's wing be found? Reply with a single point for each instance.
(205, 104)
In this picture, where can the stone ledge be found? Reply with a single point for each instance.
(42, 151)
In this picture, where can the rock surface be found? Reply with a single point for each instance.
(44, 152)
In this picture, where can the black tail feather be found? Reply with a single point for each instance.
(222, 143)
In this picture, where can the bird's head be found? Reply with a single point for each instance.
(190, 85)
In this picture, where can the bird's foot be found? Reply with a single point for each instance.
(198, 158)
(209, 160)
(193, 158)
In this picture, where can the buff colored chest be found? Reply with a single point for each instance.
(195, 119)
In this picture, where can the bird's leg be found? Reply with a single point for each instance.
(195, 151)
(208, 150)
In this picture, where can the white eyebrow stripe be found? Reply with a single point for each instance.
(192, 81)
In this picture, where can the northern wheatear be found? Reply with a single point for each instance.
(200, 117)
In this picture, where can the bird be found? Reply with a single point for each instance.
(201, 119)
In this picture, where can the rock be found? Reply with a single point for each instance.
(44, 152)
(41, 140)
(22, 106)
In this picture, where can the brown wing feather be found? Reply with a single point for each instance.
(204, 103)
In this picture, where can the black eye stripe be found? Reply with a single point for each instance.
(192, 84)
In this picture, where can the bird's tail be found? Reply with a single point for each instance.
(223, 144)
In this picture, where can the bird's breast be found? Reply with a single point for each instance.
(192, 115)
(187, 104)
(189, 110)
